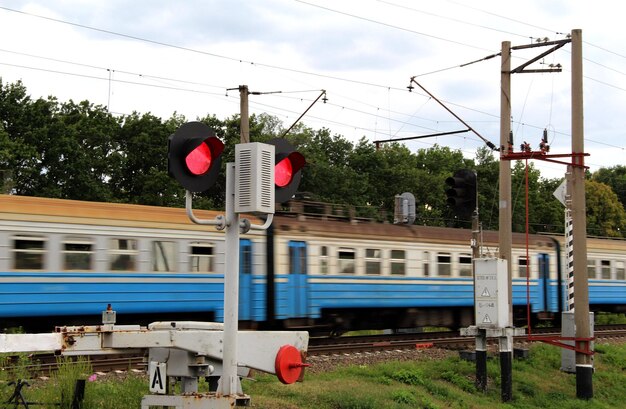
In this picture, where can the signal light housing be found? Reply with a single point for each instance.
(194, 156)
(288, 164)
(462, 192)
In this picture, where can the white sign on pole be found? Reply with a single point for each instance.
(561, 192)
(158, 377)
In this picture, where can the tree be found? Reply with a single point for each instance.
(329, 174)
(605, 213)
(140, 171)
(487, 174)
(615, 177)
(549, 211)
(19, 159)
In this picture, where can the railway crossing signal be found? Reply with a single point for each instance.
(462, 192)
(287, 169)
(194, 156)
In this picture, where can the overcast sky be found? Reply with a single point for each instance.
(181, 56)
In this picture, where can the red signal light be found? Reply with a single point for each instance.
(287, 167)
(198, 161)
(194, 156)
(283, 173)
(288, 164)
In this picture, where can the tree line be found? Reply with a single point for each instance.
(81, 151)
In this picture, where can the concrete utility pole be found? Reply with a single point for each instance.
(584, 367)
(505, 222)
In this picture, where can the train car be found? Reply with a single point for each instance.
(62, 262)
(344, 274)
(347, 275)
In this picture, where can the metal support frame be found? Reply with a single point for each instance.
(541, 155)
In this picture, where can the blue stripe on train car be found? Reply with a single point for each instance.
(606, 292)
(41, 294)
(520, 297)
(389, 292)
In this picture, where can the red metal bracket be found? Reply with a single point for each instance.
(552, 340)
(577, 158)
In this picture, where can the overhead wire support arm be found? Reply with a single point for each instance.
(408, 138)
(557, 45)
(487, 142)
(322, 94)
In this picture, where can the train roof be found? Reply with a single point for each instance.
(321, 226)
(40, 209)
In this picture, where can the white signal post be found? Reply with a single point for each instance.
(229, 383)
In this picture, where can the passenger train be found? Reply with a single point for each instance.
(62, 262)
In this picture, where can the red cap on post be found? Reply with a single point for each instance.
(289, 364)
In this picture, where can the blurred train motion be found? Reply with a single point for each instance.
(62, 262)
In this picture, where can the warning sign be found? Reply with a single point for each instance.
(158, 377)
(491, 294)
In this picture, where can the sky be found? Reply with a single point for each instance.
(189, 57)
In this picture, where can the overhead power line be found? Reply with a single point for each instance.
(393, 26)
(258, 64)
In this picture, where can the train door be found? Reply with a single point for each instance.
(543, 282)
(246, 288)
(297, 284)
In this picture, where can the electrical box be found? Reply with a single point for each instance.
(404, 211)
(568, 329)
(254, 178)
(491, 293)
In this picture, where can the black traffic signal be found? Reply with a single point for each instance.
(194, 156)
(288, 164)
(462, 192)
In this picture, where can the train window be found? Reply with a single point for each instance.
(398, 262)
(605, 269)
(164, 256)
(323, 260)
(346, 261)
(465, 265)
(620, 273)
(372, 261)
(123, 254)
(28, 252)
(201, 257)
(426, 264)
(77, 253)
(522, 266)
(443, 264)
(591, 268)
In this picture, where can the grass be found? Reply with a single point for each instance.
(436, 384)
(609, 319)
(537, 383)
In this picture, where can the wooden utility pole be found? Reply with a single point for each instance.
(244, 116)
(505, 222)
(584, 367)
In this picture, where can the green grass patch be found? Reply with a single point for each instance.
(437, 384)
(603, 318)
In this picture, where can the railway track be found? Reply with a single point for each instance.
(46, 364)
(446, 340)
